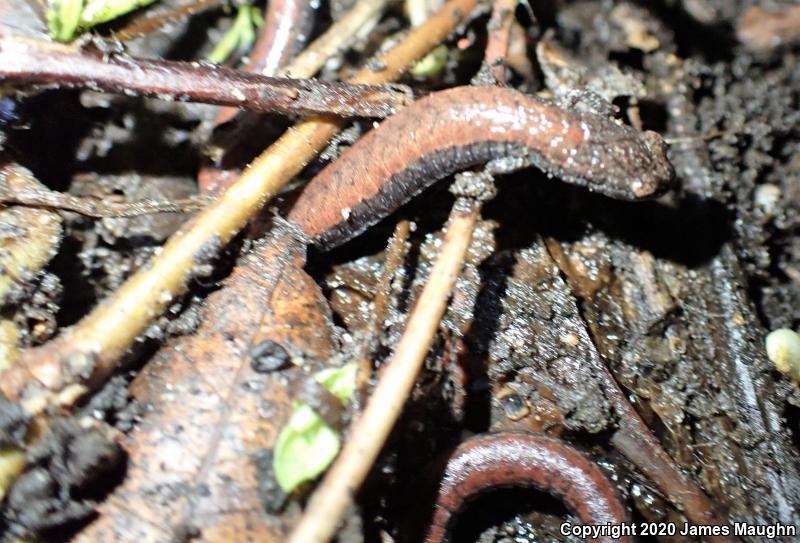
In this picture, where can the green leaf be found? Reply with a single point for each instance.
(240, 36)
(306, 446)
(341, 382)
(431, 63)
(65, 18)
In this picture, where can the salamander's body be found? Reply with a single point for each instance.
(519, 459)
(462, 127)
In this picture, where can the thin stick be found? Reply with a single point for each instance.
(18, 193)
(93, 346)
(29, 61)
(499, 38)
(305, 65)
(158, 17)
(395, 254)
(635, 441)
(370, 430)
(336, 39)
(639, 445)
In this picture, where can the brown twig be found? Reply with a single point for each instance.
(370, 430)
(89, 351)
(158, 17)
(19, 193)
(286, 28)
(395, 253)
(336, 38)
(499, 40)
(637, 443)
(28, 61)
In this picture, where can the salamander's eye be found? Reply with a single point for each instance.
(514, 405)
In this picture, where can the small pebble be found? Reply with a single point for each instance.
(783, 349)
(268, 356)
(767, 197)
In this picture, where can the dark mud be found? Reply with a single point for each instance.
(674, 296)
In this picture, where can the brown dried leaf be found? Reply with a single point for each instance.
(29, 237)
(209, 414)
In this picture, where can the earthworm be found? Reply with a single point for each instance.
(457, 128)
(522, 459)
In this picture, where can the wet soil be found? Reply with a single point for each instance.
(673, 296)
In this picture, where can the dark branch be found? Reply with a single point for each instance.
(29, 62)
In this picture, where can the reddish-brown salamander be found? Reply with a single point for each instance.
(521, 459)
(455, 129)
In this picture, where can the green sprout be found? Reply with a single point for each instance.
(240, 36)
(433, 62)
(306, 446)
(66, 18)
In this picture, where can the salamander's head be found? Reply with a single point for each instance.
(619, 161)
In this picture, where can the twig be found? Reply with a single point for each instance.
(370, 430)
(336, 39)
(305, 65)
(638, 445)
(13, 192)
(29, 61)
(499, 39)
(89, 351)
(710, 135)
(395, 253)
(156, 18)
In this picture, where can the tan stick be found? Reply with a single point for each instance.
(369, 432)
(499, 38)
(395, 254)
(89, 351)
(334, 40)
(210, 179)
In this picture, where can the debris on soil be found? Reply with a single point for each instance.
(68, 470)
(208, 413)
(564, 292)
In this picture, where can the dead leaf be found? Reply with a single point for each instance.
(209, 414)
